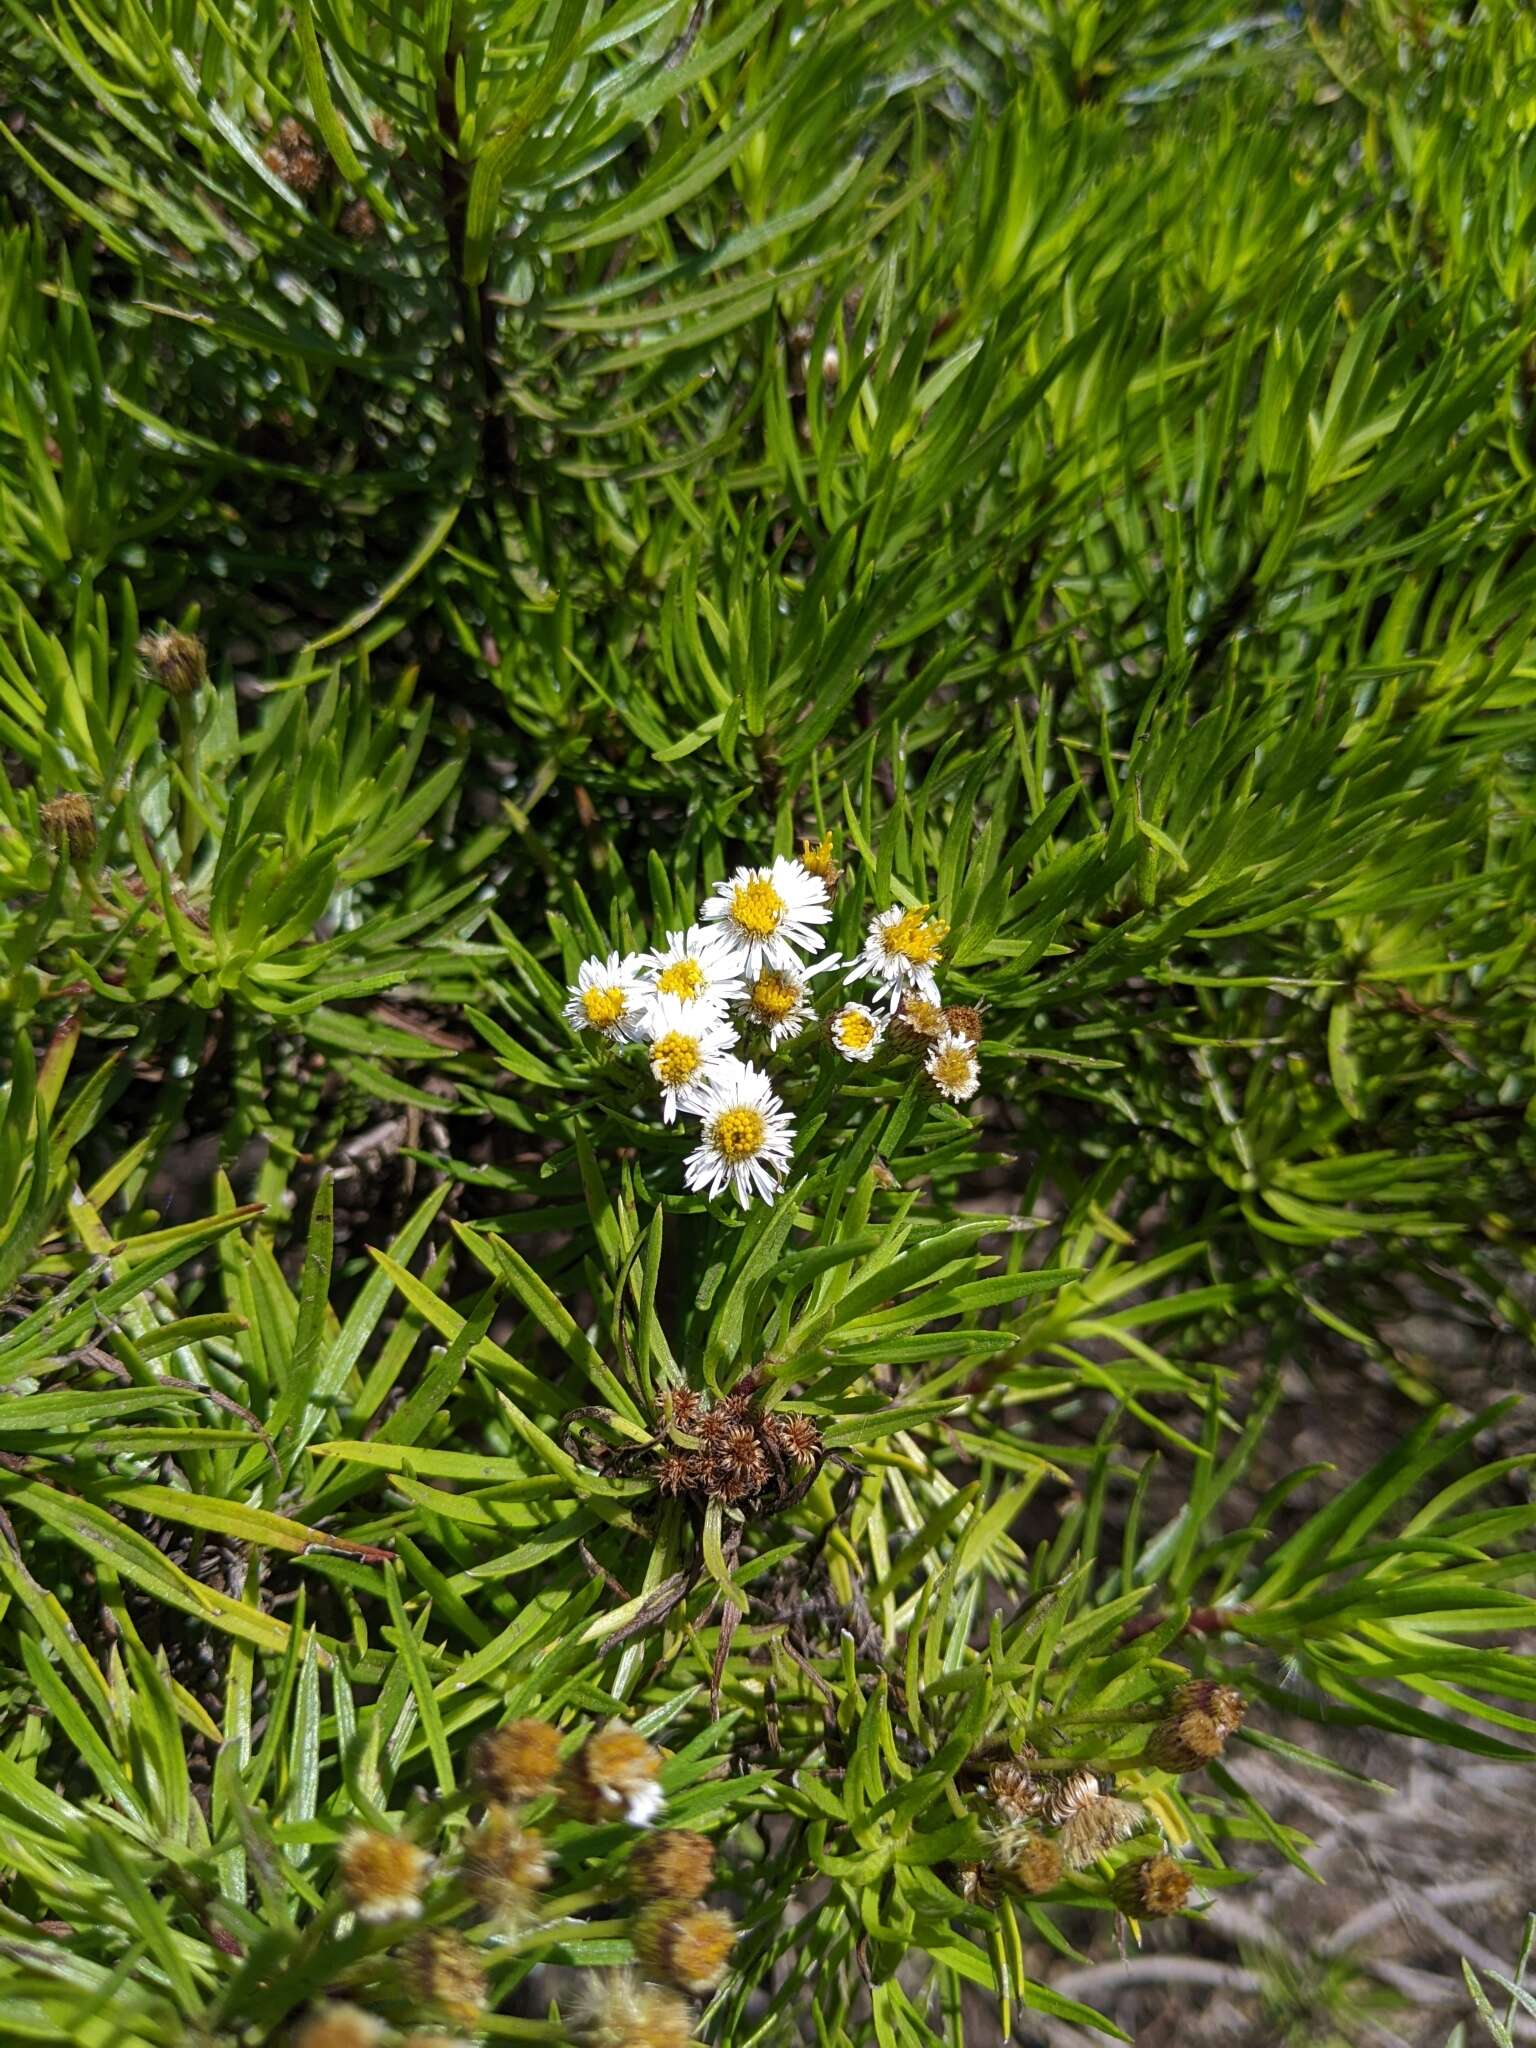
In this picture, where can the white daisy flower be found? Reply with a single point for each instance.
(607, 997)
(778, 999)
(900, 953)
(953, 1067)
(695, 966)
(746, 1136)
(856, 1031)
(688, 1042)
(767, 915)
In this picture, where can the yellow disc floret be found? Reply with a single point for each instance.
(756, 908)
(675, 1059)
(604, 1007)
(683, 978)
(738, 1133)
(773, 997)
(915, 936)
(854, 1030)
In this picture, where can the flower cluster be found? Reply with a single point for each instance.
(681, 1945)
(746, 968)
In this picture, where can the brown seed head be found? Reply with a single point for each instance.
(672, 1865)
(515, 1762)
(69, 821)
(801, 1439)
(1224, 1703)
(177, 661)
(442, 1971)
(1151, 1888)
(504, 1866)
(358, 222)
(1027, 1862)
(689, 1945)
(1016, 1792)
(1095, 1828)
(965, 1020)
(294, 156)
(676, 1473)
(383, 1875)
(337, 2025)
(1185, 1742)
(680, 1409)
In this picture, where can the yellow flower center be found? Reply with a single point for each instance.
(738, 1133)
(915, 937)
(683, 978)
(756, 908)
(604, 1007)
(817, 857)
(927, 1019)
(855, 1030)
(773, 997)
(674, 1058)
(953, 1068)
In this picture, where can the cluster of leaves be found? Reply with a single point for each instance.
(1081, 457)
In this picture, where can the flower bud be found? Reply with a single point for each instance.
(1151, 1887)
(690, 1945)
(672, 1865)
(177, 661)
(382, 1875)
(68, 821)
(516, 1762)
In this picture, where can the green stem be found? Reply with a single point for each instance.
(187, 794)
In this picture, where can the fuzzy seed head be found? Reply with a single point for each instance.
(443, 1972)
(1185, 1742)
(1224, 1703)
(294, 156)
(1061, 1797)
(1095, 1828)
(177, 661)
(504, 1866)
(689, 1945)
(516, 1762)
(337, 2025)
(618, 1771)
(1016, 1792)
(1027, 1862)
(674, 1864)
(801, 1439)
(68, 821)
(358, 222)
(383, 1875)
(1151, 1888)
(965, 1021)
(621, 2011)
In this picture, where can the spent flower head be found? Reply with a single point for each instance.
(383, 1875)
(619, 1773)
(618, 2009)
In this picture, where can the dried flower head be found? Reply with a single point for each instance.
(177, 661)
(799, 1439)
(504, 1866)
(1063, 1795)
(1095, 1828)
(68, 821)
(680, 1409)
(1151, 1887)
(358, 222)
(1185, 1742)
(1015, 1791)
(1224, 1703)
(442, 1971)
(1027, 1862)
(965, 1021)
(973, 1882)
(689, 1945)
(674, 1864)
(294, 156)
(382, 1875)
(516, 1762)
(618, 1771)
(919, 1022)
(337, 2025)
(620, 2011)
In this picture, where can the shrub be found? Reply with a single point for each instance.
(471, 479)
